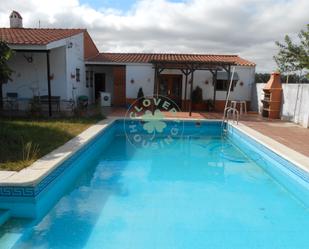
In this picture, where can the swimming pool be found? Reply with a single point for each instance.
(202, 191)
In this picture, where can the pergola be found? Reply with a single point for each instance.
(188, 68)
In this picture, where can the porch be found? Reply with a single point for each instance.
(39, 82)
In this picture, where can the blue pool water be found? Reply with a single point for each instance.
(203, 191)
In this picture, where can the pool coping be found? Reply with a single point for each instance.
(296, 158)
(36, 172)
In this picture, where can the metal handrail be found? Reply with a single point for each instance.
(234, 110)
(229, 90)
(225, 121)
(228, 110)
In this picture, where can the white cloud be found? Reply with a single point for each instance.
(245, 27)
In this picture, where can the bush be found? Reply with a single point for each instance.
(197, 95)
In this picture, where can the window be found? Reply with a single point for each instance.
(223, 85)
(77, 74)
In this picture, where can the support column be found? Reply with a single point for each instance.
(228, 80)
(155, 87)
(158, 71)
(186, 86)
(48, 84)
(191, 89)
(214, 80)
(186, 73)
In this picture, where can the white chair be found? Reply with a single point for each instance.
(243, 106)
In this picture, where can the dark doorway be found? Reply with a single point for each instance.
(119, 74)
(99, 84)
(171, 87)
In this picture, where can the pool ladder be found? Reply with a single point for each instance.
(228, 112)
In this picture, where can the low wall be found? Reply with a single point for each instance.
(295, 102)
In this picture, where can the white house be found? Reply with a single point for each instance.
(66, 63)
(125, 73)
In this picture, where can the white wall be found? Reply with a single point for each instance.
(57, 69)
(27, 75)
(75, 59)
(245, 75)
(295, 102)
(143, 76)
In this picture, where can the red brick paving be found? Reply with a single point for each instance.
(286, 133)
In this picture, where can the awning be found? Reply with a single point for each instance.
(224, 76)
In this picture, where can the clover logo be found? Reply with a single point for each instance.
(153, 122)
(146, 118)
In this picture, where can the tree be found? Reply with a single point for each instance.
(5, 71)
(294, 56)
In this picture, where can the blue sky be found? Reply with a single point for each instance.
(123, 5)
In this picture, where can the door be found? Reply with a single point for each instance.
(119, 73)
(99, 84)
(171, 87)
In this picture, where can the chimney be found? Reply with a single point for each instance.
(16, 21)
(274, 82)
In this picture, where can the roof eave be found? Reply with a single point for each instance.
(27, 47)
(48, 46)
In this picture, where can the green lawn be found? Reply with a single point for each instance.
(22, 141)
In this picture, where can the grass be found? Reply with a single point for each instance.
(24, 140)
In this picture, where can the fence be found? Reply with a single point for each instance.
(295, 102)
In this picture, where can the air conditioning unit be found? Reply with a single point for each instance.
(105, 99)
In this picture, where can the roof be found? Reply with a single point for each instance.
(27, 36)
(157, 57)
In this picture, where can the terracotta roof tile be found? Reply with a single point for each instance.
(25, 36)
(150, 57)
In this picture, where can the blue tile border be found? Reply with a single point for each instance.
(12, 191)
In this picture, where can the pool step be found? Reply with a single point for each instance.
(4, 216)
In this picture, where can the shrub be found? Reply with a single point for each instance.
(197, 95)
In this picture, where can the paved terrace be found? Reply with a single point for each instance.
(286, 133)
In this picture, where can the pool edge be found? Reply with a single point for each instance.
(294, 157)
